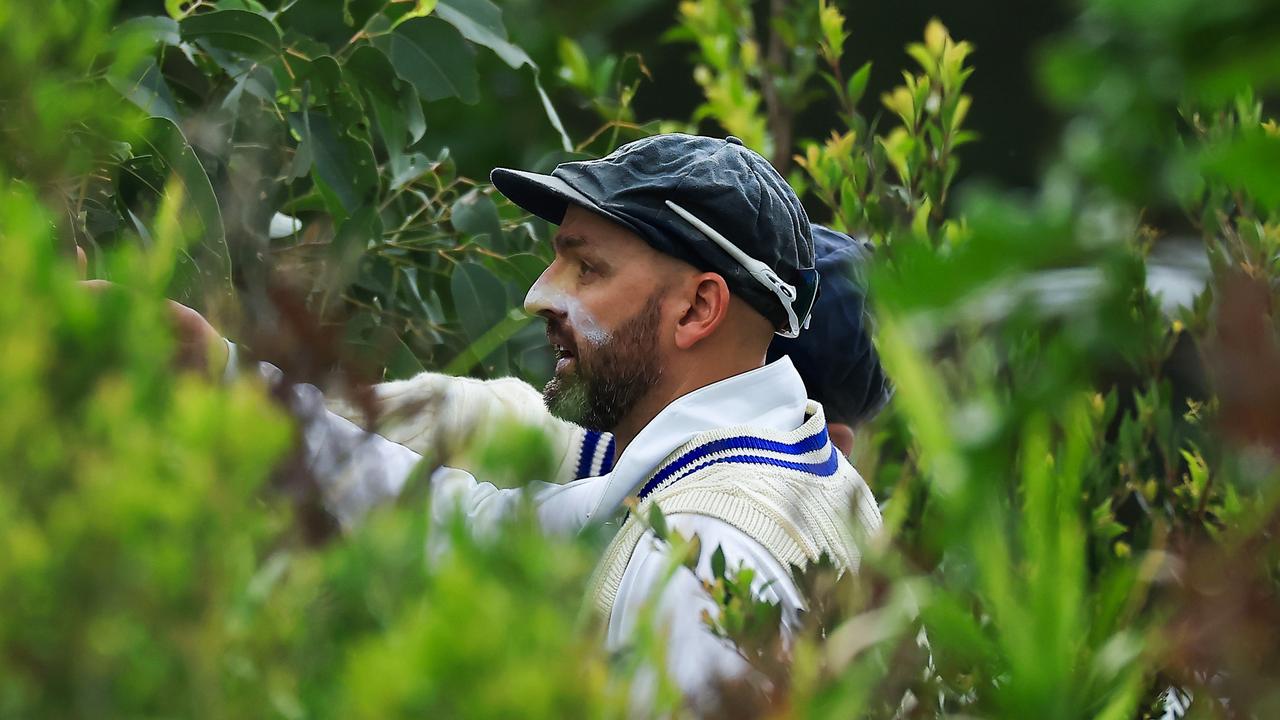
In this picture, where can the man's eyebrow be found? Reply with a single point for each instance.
(565, 242)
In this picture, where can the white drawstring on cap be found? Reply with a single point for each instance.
(763, 274)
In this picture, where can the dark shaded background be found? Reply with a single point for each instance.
(1013, 122)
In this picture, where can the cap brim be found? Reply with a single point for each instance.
(546, 196)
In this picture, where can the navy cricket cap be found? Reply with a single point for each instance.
(713, 203)
(836, 357)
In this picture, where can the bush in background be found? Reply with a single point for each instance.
(1078, 468)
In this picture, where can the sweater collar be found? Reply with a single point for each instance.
(772, 397)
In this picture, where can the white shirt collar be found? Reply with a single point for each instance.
(771, 397)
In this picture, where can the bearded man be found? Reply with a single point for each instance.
(677, 260)
(448, 416)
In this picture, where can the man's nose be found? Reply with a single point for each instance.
(543, 298)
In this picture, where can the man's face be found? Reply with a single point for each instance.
(602, 300)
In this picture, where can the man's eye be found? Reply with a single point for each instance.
(585, 269)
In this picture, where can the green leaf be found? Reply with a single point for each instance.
(1247, 163)
(238, 31)
(403, 363)
(480, 21)
(433, 56)
(857, 85)
(148, 90)
(574, 68)
(552, 115)
(411, 105)
(658, 522)
(496, 337)
(832, 22)
(479, 299)
(717, 563)
(328, 88)
(356, 232)
(385, 92)
(429, 309)
(527, 268)
(421, 8)
(476, 215)
(407, 168)
(157, 28)
(344, 164)
(210, 261)
(480, 305)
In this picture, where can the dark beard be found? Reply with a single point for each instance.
(608, 382)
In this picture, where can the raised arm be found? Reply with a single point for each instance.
(447, 415)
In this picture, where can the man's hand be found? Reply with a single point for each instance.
(200, 346)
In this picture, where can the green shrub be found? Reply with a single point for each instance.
(1079, 477)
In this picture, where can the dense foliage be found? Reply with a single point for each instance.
(1078, 469)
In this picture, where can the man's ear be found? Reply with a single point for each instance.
(708, 299)
(841, 436)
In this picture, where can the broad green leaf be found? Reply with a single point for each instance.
(148, 90)
(411, 106)
(433, 56)
(427, 305)
(403, 363)
(480, 21)
(344, 164)
(330, 90)
(480, 302)
(476, 215)
(483, 349)
(209, 267)
(257, 81)
(527, 267)
(239, 31)
(356, 233)
(375, 75)
(479, 299)
(407, 168)
(157, 28)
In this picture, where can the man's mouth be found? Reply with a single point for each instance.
(565, 349)
(564, 359)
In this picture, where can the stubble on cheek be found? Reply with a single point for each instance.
(609, 379)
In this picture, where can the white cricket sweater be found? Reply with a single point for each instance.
(784, 523)
(790, 491)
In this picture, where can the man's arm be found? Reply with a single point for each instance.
(358, 470)
(446, 415)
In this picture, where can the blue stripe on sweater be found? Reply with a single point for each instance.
(814, 442)
(820, 469)
(607, 465)
(588, 453)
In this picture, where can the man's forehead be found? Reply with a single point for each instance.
(584, 229)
